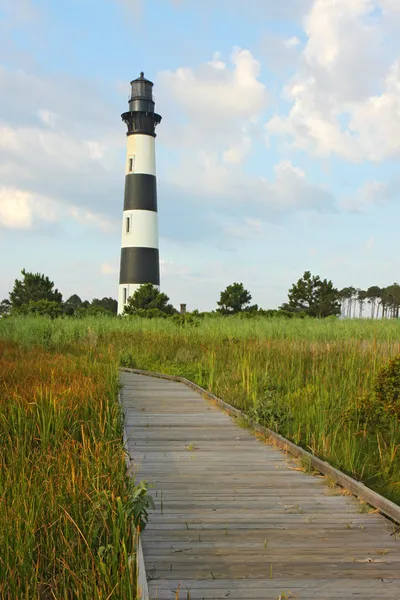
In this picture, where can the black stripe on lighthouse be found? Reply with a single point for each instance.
(140, 192)
(139, 265)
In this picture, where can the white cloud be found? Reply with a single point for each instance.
(346, 94)
(221, 103)
(292, 42)
(23, 209)
(19, 209)
(107, 269)
(55, 149)
(216, 92)
(237, 153)
(48, 117)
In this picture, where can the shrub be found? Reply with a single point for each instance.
(186, 320)
(44, 308)
(376, 408)
(127, 359)
(387, 388)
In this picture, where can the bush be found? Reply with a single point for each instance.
(387, 388)
(44, 308)
(127, 359)
(185, 320)
(376, 408)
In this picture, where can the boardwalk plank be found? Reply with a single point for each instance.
(234, 516)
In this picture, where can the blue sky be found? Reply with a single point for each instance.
(278, 151)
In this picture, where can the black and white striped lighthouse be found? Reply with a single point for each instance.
(139, 245)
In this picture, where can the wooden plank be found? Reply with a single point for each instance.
(236, 518)
(355, 487)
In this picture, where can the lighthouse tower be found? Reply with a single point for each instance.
(139, 244)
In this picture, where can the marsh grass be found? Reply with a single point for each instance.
(305, 379)
(67, 508)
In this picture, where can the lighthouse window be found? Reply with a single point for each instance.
(128, 224)
(125, 295)
(131, 164)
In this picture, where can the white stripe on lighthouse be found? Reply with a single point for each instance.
(141, 151)
(140, 228)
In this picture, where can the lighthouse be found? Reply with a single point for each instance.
(139, 242)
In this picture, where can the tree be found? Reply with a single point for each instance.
(315, 297)
(373, 293)
(108, 304)
(346, 295)
(33, 287)
(146, 297)
(233, 299)
(5, 307)
(73, 304)
(390, 301)
(362, 296)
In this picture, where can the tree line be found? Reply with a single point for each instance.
(35, 293)
(310, 296)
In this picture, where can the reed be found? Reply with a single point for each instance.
(68, 521)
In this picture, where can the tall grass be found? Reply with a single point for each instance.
(303, 378)
(66, 512)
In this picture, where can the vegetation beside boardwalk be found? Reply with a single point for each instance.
(318, 382)
(68, 510)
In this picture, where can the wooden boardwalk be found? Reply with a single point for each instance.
(236, 519)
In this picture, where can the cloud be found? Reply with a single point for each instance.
(371, 194)
(248, 228)
(55, 148)
(216, 103)
(108, 269)
(345, 97)
(216, 92)
(23, 210)
(224, 102)
(371, 241)
(20, 209)
(218, 187)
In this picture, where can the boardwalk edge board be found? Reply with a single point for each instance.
(383, 505)
(141, 581)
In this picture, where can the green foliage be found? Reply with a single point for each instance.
(233, 299)
(147, 297)
(44, 308)
(73, 304)
(387, 388)
(140, 502)
(127, 359)
(271, 410)
(313, 296)
(107, 304)
(186, 320)
(32, 288)
(5, 307)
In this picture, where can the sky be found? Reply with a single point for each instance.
(278, 151)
